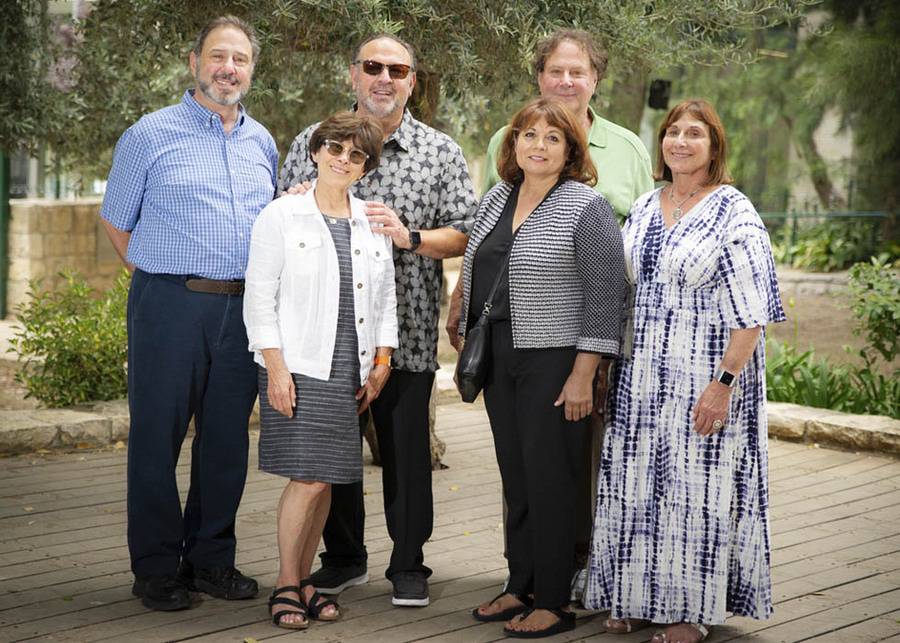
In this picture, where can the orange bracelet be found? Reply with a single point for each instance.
(382, 360)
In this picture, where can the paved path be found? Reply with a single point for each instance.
(64, 564)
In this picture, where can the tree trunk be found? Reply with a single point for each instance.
(626, 104)
(438, 447)
(804, 139)
(426, 95)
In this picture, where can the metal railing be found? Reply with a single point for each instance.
(793, 219)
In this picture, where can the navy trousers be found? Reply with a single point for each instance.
(400, 415)
(187, 358)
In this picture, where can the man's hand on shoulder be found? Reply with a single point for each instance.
(298, 188)
(385, 221)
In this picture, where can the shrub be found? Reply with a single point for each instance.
(73, 343)
(801, 378)
(830, 245)
(875, 288)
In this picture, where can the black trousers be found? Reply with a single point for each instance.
(187, 357)
(539, 453)
(400, 415)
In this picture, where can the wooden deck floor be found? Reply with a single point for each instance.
(64, 571)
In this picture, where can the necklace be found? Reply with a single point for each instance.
(677, 213)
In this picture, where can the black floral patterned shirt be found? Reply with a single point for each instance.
(424, 178)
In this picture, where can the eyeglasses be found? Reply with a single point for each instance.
(374, 68)
(357, 157)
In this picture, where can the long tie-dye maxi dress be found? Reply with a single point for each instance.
(681, 532)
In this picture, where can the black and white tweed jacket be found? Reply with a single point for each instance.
(566, 270)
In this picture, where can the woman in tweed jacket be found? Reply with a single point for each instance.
(555, 314)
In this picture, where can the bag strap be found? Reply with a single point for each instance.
(489, 302)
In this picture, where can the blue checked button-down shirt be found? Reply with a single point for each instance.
(188, 192)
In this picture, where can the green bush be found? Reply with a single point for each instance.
(829, 245)
(72, 343)
(802, 379)
(875, 287)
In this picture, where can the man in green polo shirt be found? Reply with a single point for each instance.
(568, 65)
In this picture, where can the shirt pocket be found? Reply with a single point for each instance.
(304, 252)
(379, 255)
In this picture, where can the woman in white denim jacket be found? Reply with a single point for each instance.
(321, 314)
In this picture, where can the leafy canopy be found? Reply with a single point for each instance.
(132, 55)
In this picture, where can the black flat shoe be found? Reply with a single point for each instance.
(506, 614)
(566, 623)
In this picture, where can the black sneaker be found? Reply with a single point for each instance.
(331, 580)
(162, 593)
(221, 582)
(410, 589)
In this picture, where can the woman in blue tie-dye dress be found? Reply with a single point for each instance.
(681, 534)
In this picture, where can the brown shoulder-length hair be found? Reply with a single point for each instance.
(578, 166)
(703, 111)
(365, 133)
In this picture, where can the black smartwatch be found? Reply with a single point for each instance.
(415, 240)
(724, 377)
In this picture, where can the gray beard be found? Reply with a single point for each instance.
(218, 99)
(378, 109)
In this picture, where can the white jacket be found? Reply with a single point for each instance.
(293, 286)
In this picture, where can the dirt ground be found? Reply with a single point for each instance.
(823, 323)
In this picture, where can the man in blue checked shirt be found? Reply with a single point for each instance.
(186, 185)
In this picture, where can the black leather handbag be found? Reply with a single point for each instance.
(475, 358)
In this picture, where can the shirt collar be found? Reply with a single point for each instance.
(404, 135)
(206, 116)
(597, 135)
(306, 204)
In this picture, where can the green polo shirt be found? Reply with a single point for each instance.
(622, 162)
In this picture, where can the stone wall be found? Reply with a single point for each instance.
(47, 236)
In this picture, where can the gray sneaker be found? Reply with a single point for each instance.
(410, 589)
(334, 580)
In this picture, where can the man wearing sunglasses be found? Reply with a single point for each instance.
(421, 196)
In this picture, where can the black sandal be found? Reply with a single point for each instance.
(565, 623)
(506, 614)
(301, 608)
(315, 605)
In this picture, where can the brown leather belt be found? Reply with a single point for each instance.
(216, 287)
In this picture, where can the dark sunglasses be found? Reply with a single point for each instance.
(357, 157)
(374, 68)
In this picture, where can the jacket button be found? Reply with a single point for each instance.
(362, 352)
(377, 254)
(356, 252)
(361, 320)
(359, 285)
(302, 245)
